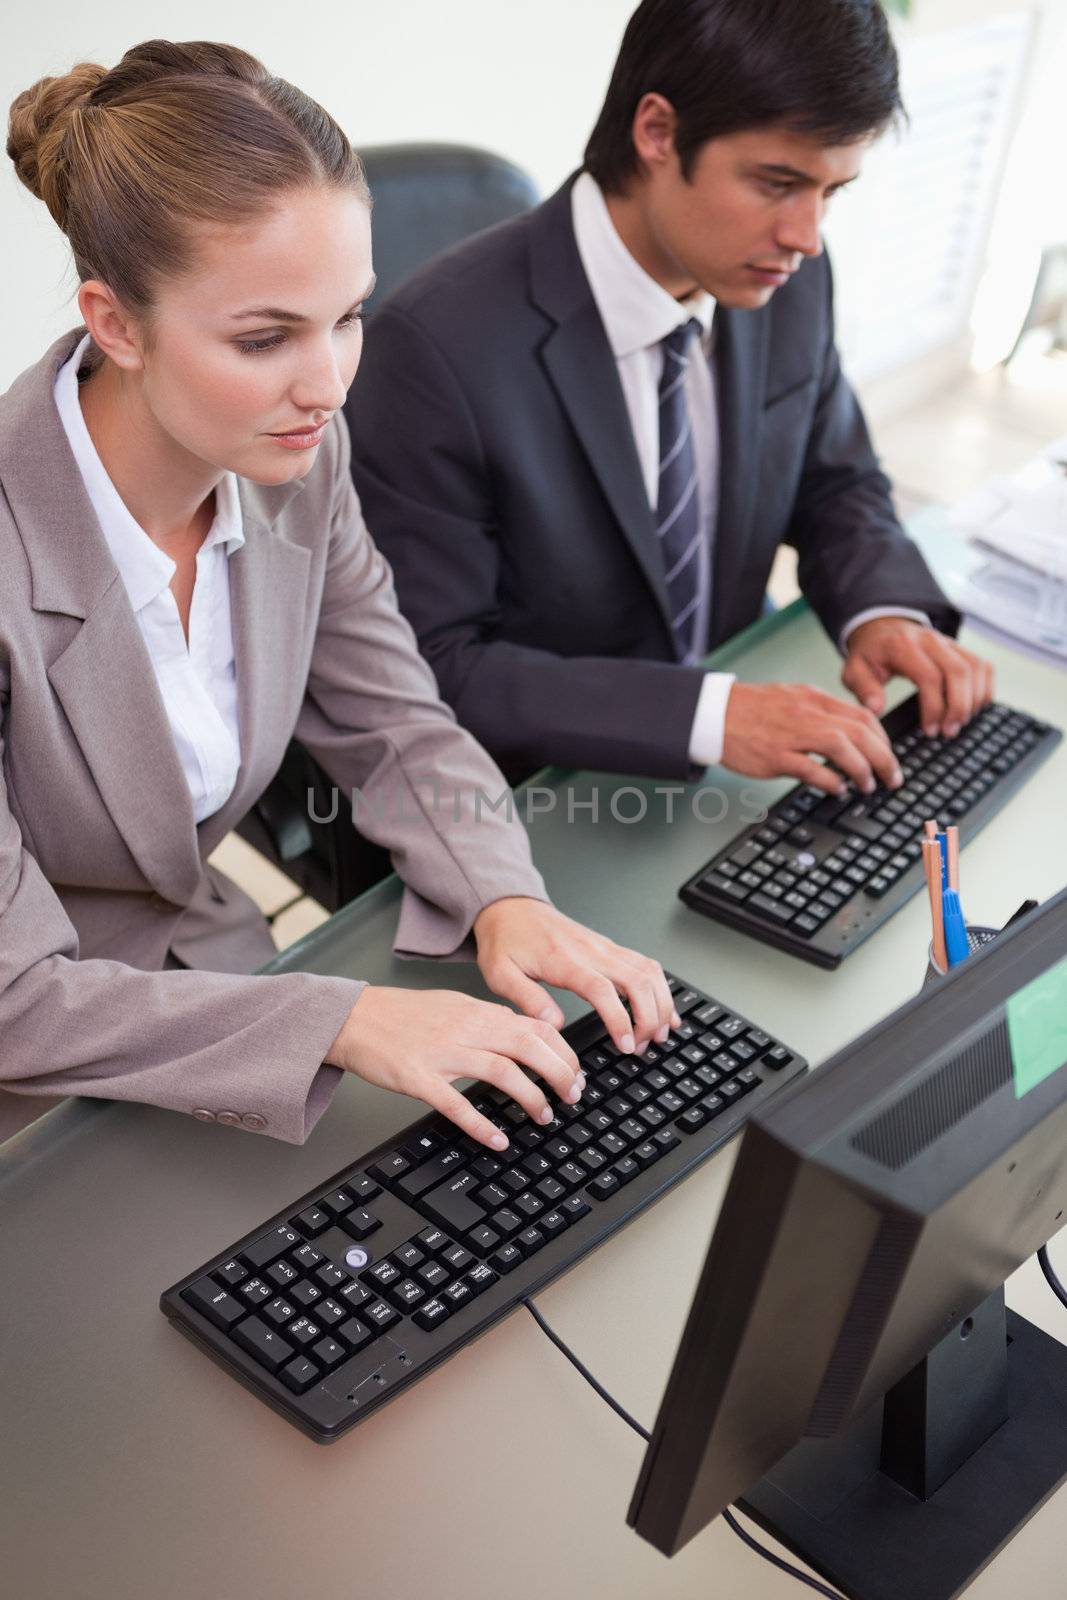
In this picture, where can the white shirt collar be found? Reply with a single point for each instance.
(145, 570)
(636, 311)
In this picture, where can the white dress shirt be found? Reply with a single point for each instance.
(197, 681)
(637, 314)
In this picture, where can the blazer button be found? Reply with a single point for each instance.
(230, 1118)
(253, 1120)
(204, 1116)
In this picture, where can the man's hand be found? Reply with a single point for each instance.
(522, 940)
(773, 730)
(953, 684)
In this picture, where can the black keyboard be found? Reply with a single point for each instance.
(357, 1289)
(820, 874)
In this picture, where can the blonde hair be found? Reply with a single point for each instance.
(129, 160)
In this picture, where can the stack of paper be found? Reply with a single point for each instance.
(1017, 527)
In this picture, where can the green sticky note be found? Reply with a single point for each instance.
(1037, 1028)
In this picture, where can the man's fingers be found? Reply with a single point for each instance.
(861, 679)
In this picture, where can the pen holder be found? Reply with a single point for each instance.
(976, 938)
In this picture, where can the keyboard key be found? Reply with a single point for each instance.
(458, 1258)
(432, 1314)
(552, 1223)
(337, 1203)
(230, 1275)
(307, 1257)
(312, 1221)
(529, 1240)
(389, 1167)
(481, 1278)
(329, 1313)
(282, 1274)
(505, 1222)
(299, 1374)
(330, 1277)
(434, 1240)
(413, 1184)
(354, 1295)
(457, 1294)
(433, 1275)
(406, 1294)
(255, 1291)
(305, 1294)
(506, 1259)
(278, 1312)
(263, 1251)
(778, 1057)
(360, 1224)
(378, 1315)
(574, 1208)
(264, 1344)
(303, 1332)
(363, 1188)
(353, 1334)
(482, 1239)
(603, 1186)
(328, 1353)
(218, 1305)
(450, 1204)
(692, 1120)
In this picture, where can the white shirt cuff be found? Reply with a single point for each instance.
(709, 719)
(879, 611)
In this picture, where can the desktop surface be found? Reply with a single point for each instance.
(133, 1467)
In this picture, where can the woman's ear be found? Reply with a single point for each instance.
(115, 332)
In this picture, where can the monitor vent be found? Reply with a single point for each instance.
(862, 1327)
(901, 1132)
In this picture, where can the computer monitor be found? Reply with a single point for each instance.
(874, 1211)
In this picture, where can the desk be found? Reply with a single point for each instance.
(131, 1468)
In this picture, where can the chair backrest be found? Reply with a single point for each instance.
(430, 196)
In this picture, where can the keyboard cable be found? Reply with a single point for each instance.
(728, 1516)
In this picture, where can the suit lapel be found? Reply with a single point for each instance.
(581, 367)
(739, 373)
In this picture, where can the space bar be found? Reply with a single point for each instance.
(450, 1205)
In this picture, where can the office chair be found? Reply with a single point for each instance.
(426, 198)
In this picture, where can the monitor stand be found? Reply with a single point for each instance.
(924, 1489)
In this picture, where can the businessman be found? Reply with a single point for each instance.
(581, 437)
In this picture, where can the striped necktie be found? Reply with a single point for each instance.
(677, 505)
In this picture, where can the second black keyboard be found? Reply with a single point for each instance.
(360, 1287)
(820, 874)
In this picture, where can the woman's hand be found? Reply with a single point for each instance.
(522, 940)
(419, 1041)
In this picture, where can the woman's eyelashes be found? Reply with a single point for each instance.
(253, 346)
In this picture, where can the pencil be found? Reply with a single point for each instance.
(932, 865)
(930, 830)
(953, 837)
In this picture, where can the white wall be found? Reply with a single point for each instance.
(524, 77)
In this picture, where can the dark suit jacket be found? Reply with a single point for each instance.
(495, 461)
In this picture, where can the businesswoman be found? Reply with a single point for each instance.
(185, 582)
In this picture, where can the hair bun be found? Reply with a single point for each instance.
(37, 124)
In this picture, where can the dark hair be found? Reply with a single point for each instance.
(823, 67)
(127, 160)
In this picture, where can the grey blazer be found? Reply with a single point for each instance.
(104, 890)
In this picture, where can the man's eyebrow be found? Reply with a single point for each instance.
(794, 174)
(277, 314)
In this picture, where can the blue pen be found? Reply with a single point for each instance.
(956, 947)
(942, 844)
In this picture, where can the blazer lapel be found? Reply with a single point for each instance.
(580, 364)
(268, 590)
(104, 678)
(739, 371)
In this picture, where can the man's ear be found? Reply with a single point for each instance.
(654, 126)
(115, 330)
